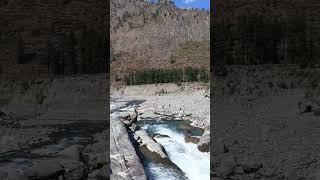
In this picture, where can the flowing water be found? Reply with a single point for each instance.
(193, 164)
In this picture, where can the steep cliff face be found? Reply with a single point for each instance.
(31, 25)
(149, 35)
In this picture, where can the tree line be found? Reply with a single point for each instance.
(72, 55)
(260, 39)
(174, 75)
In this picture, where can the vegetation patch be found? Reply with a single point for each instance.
(260, 39)
(174, 75)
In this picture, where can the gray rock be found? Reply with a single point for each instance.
(97, 153)
(128, 117)
(148, 114)
(73, 169)
(250, 166)
(125, 163)
(133, 127)
(71, 152)
(47, 168)
(239, 170)
(218, 147)
(190, 139)
(225, 165)
(151, 144)
(204, 143)
(11, 172)
(99, 174)
(156, 135)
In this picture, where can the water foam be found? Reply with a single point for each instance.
(195, 164)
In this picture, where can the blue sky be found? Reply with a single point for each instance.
(193, 3)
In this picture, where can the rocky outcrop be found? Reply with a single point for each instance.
(125, 164)
(128, 117)
(145, 140)
(204, 142)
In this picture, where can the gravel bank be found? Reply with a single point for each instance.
(190, 100)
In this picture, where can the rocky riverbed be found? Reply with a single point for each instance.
(259, 131)
(54, 129)
(158, 104)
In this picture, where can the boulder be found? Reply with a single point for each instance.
(151, 144)
(11, 172)
(133, 127)
(45, 169)
(156, 135)
(148, 114)
(124, 162)
(96, 153)
(144, 110)
(8, 143)
(191, 139)
(225, 165)
(218, 147)
(204, 143)
(250, 166)
(128, 117)
(99, 174)
(73, 169)
(71, 152)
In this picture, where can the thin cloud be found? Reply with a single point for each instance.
(188, 1)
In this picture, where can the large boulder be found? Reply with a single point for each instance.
(224, 165)
(151, 144)
(191, 139)
(128, 117)
(72, 152)
(148, 114)
(204, 143)
(251, 165)
(125, 163)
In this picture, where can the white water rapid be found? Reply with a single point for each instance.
(195, 164)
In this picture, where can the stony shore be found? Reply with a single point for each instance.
(131, 104)
(190, 101)
(54, 129)
(259, 131)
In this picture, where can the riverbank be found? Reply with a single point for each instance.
(166, 109)
(259, 130)
(54, 128)
(189, 101)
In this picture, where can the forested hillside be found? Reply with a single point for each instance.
(263, 32)
(157, 35)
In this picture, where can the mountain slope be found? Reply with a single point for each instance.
(146, 35)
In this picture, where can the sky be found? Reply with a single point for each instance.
(193, 4)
